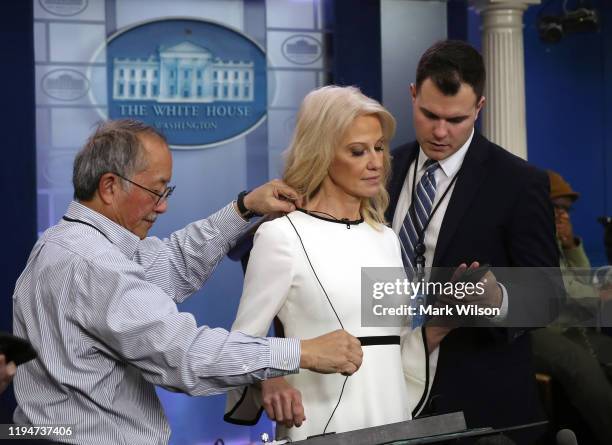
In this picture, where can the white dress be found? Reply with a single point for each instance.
(280, 282)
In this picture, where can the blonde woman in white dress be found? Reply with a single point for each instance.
(305, 269)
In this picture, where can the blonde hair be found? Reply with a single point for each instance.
(322, 121)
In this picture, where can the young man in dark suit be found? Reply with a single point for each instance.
(485, 206)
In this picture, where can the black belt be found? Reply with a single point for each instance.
(379, 340)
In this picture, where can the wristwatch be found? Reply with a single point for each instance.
(244, 212)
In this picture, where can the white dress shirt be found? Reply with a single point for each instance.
(444, 176)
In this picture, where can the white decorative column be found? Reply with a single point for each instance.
(503, 118)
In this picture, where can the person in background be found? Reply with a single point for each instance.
(577, 357)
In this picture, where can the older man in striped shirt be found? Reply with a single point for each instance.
(97, 299)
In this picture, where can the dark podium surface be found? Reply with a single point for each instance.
(446, 428)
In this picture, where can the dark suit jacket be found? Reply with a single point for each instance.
(499, 213)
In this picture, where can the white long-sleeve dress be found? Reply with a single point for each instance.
(280, 282)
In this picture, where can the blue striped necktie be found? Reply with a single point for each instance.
(416, 218)
(418, 214)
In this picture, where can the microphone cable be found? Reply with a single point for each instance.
(335, 313)
(315, 273)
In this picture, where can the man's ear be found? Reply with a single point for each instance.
(413, 91)
(108, 186)
(480, 105)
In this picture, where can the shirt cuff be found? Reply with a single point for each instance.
(576, 256)
(285, 356)
(230, 223)
(503, 309)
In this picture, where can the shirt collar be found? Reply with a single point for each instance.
(125, 240)
(450, 166)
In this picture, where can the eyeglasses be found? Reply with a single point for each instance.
(161, 197)
(565, 208)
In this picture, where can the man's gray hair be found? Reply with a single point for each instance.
(114, 147)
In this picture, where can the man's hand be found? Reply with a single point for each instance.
(492, 294)
(337, 351)
(272, 197)
(438, 327)
(7, 372)
(605, 293)
(282, 402)
(435, 334)
(565, 233)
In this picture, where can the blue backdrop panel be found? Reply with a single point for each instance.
(566, 93)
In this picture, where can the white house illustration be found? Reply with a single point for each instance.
(185, 72)
(65, 82)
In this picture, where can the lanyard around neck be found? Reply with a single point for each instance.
(65, 218)
(419, 249)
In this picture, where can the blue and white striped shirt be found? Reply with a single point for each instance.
(99, 306)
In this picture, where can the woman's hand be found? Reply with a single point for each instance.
(8, 370)
(282, 402)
